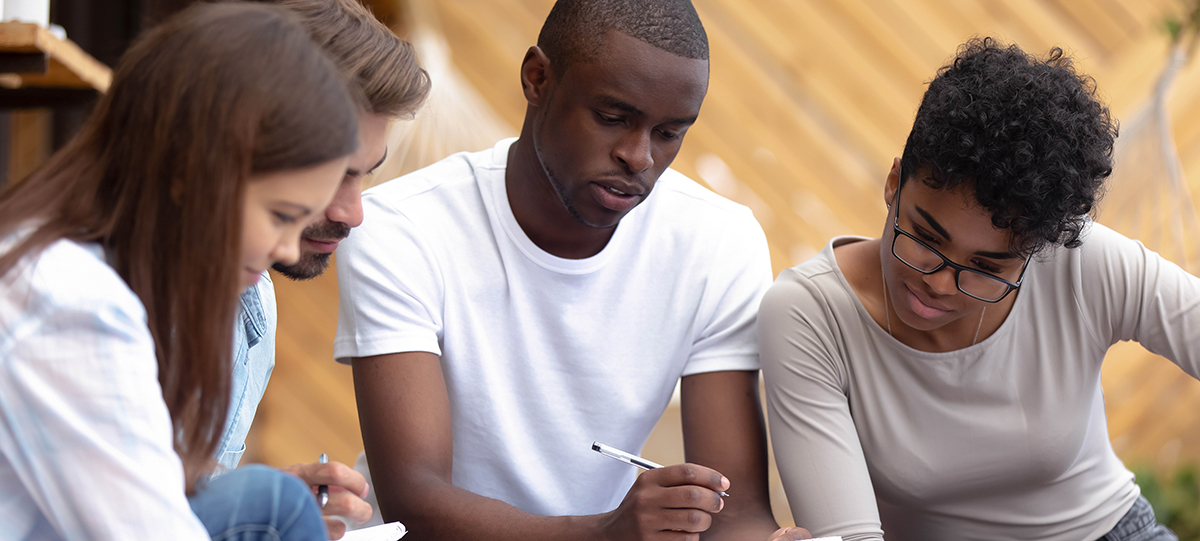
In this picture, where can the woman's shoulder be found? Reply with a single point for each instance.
(68, 275)
(823, 267)
(807, 316)
(1098, 242)
(1104, 259)
(816, 286)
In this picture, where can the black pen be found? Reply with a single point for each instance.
(629, 458)
(323, 490)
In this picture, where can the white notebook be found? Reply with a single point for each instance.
(384, 532)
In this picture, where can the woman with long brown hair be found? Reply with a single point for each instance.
(225, 131)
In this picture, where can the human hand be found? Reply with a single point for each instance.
(672, 503)
(347, 488)
(790, 534)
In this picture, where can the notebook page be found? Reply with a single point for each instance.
(384, 532)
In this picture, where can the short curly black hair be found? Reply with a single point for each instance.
(1029, 136)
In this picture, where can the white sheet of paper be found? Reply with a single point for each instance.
(832, 538)
(384, 532)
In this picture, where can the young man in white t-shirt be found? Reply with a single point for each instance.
(504, 309)
(384, 72)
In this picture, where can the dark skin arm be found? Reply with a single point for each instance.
(404, 411)
(723, 429)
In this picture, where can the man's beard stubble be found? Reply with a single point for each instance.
(312, 264)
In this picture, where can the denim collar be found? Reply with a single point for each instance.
(253, 317)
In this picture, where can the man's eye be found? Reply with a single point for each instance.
(284, 218)
(667, 135)
(606, 119)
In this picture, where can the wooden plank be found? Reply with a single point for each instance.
(490, 66)
(69, 66)
(29, 143)
(1126, 79)
(1184, 104)
(512, 27)
(889, 44)
(815, 77)
(778, 189)
(1037, 29)
(926, 22)
(1150, 403)
(1145, 15)
(1107, 29)
(802, 151)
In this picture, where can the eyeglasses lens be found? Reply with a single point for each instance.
(921, 258)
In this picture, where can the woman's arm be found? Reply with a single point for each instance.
(812, 432)
(1132, 293)
(85, 429)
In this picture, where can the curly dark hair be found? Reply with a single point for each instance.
(1030, 136)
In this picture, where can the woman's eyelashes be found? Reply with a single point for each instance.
(284, 218)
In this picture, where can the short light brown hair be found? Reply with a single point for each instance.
(380, 64)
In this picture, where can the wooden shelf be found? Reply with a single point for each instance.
(31, 57)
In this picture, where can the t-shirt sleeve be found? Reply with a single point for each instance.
(741, 264)
(86, 432)
(813, 435)
(389, 287)
(1132, 293)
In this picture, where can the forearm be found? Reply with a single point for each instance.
(405, 414)
(724, 428)
(756, 526)
(434, 510)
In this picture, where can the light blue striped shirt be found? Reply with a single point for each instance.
(85, 438)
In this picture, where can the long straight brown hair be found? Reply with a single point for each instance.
(216, 94)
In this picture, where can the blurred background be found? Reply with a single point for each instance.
(808, 103)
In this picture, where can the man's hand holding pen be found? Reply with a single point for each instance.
(684, 510)
(347, 488)
(680, 498)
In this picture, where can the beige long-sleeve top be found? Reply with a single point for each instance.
(1005, 439)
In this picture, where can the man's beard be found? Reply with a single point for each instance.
(312, 264)
(560, 188)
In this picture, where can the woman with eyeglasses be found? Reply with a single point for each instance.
(943, 381)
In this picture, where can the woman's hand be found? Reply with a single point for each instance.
(789, 534)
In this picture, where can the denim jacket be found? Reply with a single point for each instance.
(253, 360)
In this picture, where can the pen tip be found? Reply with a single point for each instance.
(595, 446)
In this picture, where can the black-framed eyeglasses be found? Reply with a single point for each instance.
(924, 259)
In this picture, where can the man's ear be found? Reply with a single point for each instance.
(892, 183)
(535, 76)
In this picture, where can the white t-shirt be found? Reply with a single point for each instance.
(85, 442)
(1005, 439)
(544, 355)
